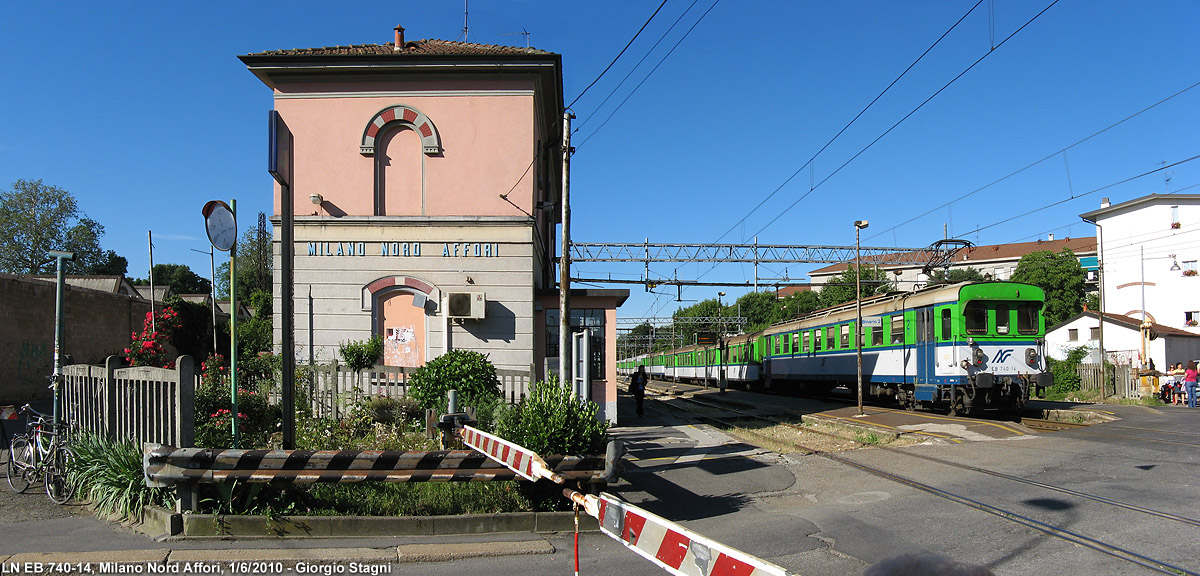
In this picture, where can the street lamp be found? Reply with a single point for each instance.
(721, 342)
(858, 226)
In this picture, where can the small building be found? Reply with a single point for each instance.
(1123, 340)
(426, 185)
(994, 261)
(1150, 258)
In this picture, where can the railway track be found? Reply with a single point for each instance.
(1047, 528)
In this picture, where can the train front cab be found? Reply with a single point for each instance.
(985, 351)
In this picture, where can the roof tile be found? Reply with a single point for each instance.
(427, 47)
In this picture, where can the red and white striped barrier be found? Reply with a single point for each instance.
(8, 412)
(671, 546)
(517, 458)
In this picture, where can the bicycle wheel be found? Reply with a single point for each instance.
(60, 482)
(20, 464)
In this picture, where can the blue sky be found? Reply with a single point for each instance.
(144, 113)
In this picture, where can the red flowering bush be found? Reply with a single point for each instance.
(149, 347)
(257, 418)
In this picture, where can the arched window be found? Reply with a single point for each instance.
(392, 137)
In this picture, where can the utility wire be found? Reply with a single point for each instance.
(906, 116)
(636, 66)
(1047, 157)
(651, 73)
(850, 123)
(1053, 204)
(614, 60)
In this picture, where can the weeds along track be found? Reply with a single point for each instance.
(1009, 515)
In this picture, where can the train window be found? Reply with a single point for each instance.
(817, 340)
(829, 344)
(1027, 318)
(947, 326)
(804, 343)
(877, 336)
(844, 340)
(795, 342)
(975, 317)
(897, 329)
(1002, 319)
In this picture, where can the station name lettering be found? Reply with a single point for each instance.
(404, 249)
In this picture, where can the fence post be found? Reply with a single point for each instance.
(185, 417)
(110, 397)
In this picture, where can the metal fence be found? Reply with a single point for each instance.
(140, 403)
(333, 389)
(1122, 380)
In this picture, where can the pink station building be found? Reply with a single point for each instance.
(426, 185)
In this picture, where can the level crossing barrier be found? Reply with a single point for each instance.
(667, 544)
(185, 467)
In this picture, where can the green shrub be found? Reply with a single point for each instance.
(109, 474)
(257, 418)
(468, 372)
(1066, 377)
(551, 420)
(360, 355)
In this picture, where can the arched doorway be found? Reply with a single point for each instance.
(401, 322)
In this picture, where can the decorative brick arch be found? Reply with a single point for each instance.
(389, 283)
(431, 142)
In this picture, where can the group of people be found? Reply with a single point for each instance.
(1180, 384)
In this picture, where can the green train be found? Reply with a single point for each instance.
(960, 348)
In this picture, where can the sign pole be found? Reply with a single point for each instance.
(59, 308)
(233, 339)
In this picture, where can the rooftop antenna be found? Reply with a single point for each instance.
(466, 13)
(523, 32)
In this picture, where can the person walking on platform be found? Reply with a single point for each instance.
(1189, 383)
(637, 387)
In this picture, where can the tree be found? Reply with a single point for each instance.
(800, 302)
(761, 309)
(254, 263)
(36, 218)
(179, 277)
(956, 275)
(840, 289)
(1060, 275)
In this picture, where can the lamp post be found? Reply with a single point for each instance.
(858, 226)
(721, 342)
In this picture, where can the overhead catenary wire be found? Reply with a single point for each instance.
(664, 35)
(810, 161)
(1033, 164)
(650, 73)
(1080, 196)
(618, 57)
(906, 116)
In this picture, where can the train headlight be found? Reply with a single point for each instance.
(979, 356)
(1031, 356)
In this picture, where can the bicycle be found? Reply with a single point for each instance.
(43, 451)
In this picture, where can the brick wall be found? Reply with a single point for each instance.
(97, 324)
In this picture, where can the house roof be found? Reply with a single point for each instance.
(1139, 202)
(1131, 323)
(426, 47)
(990, 253)
(111, 284)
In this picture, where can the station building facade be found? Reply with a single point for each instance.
(426, 185)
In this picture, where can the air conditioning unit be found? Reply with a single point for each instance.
(466, 305)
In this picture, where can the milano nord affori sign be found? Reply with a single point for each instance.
(406, 249)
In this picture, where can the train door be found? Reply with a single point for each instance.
(926, 345)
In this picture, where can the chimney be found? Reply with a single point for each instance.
(399, 39)
(1104, 203)
(1051, 238)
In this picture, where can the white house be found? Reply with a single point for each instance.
(1149, 248)
(1122, 340)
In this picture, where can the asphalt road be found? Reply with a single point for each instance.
(812, 515)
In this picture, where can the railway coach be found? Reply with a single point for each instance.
(960, 348)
